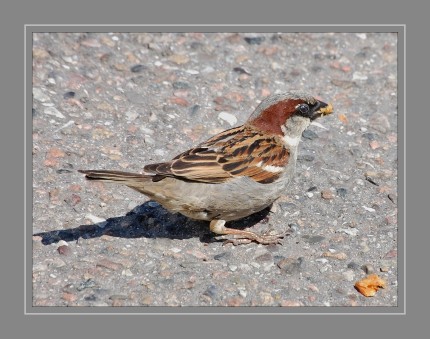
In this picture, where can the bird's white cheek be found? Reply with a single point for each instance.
(291, 141)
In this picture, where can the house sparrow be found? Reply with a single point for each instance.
(235, 173)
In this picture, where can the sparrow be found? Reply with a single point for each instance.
(235, 173)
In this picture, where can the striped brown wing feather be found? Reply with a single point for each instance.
(235, 152)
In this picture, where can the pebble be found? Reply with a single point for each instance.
(40, 267)
(230, 118)
(380, 123)
(69, 95)
(110, 265)
(369, 136)
(211, 291)
(138, 68)
(264, 258)
(235, 301)
(130, 115)
(369, 209)
(179, 59)
(73, 200)
(147, 300)
(290, 303)
(55, 153)
(242, 292)
(291, 265)
(266, 298)
(349, 275)
(353, 265)
(39, 95)
(306, 157)
(254, 40)
(368, 269)
(374, 144)
(338, 256)
(359, 76)
(309, 134)
(349, 231)
(198, 254)
(341, 192)
(224, 256)
(89, 283)
(181, 85)
(69, 297)
(54, 112)
(179, 101)
(64, 250)
(391, 254)
(232, 268)
(55, 262)
(100, 222)
(127, 273)
(241, 70)
(313, 239)
(327, 194)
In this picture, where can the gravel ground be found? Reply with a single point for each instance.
(119, 101)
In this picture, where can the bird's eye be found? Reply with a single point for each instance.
(303, 108)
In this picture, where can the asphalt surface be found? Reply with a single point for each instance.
(120, 101)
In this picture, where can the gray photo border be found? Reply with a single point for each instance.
(399, 29)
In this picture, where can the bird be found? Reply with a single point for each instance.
(235, 173)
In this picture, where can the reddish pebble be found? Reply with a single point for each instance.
(289, 303)
(69, 297)
(391, 254)
(374, 144)
(64, 250)
(235, 96)
(75, 188)
(75, 199)
(327, 194)
(234, 301)
(179, 101)
(55, 153)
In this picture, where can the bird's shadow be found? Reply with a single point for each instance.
(149, 220)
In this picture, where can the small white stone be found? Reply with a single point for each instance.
(349, 231)
(232, 268)
(96, 220)
(62, 243)
(208, 69)
(369, 209)
(127, 273)
(348, 275)
(160, 152)
(359, 76)
(242, 292)
(53, 111)
(322, 260)
(39, 95)
(362, 36)
(131, 115)
(230, 118)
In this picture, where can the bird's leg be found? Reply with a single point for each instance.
(243, 237)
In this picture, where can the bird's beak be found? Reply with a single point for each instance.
(322, 109)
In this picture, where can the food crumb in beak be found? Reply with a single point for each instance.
(326, 110)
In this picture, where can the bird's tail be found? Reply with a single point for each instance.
(125, 178)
